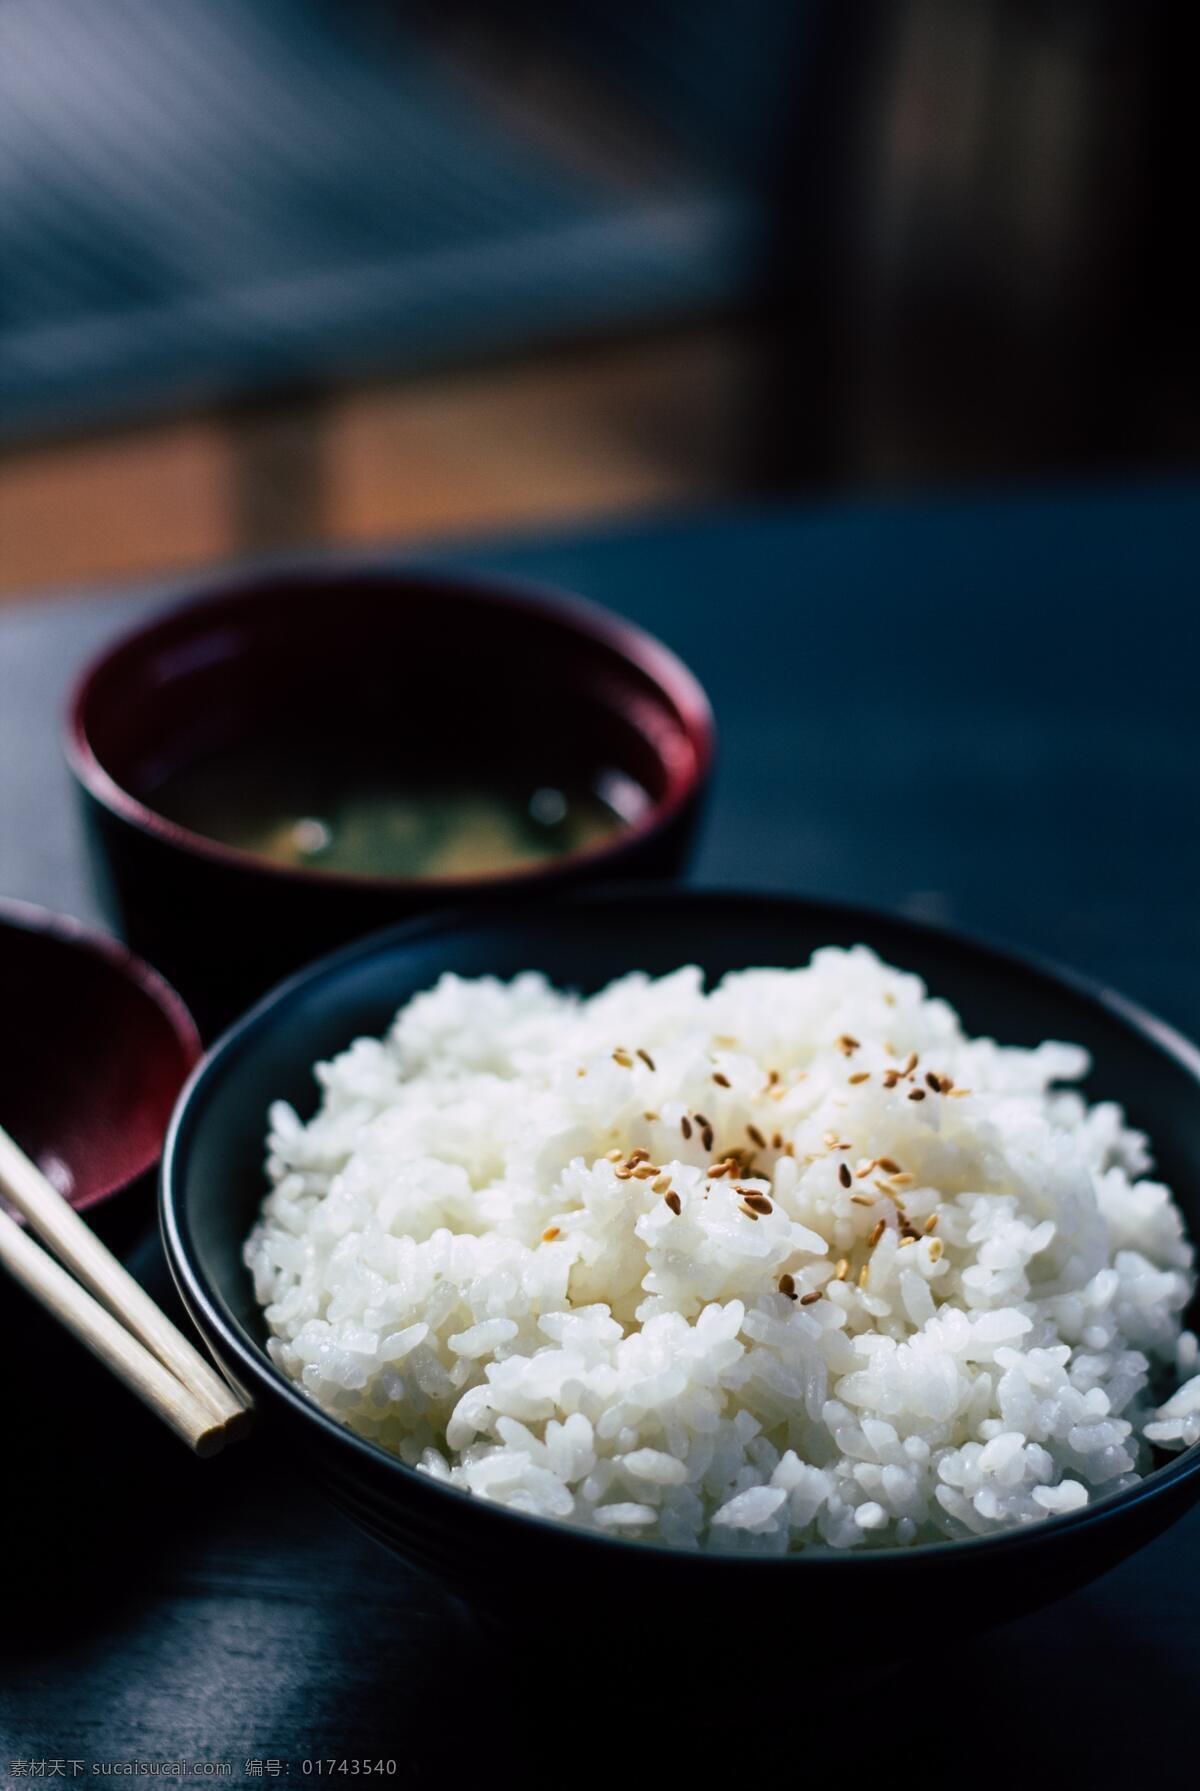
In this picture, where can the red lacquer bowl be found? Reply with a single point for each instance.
(433, 669)
(94, 1048)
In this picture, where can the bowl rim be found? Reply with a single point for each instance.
(545, 602)
(209, 1314)
(65, 929)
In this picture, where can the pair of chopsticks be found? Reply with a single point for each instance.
(121, 1325)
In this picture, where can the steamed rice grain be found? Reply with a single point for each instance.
(789, 1263)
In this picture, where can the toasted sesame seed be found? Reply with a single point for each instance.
(889, 1165)
(646, 1172)
(859, 1076)
(829, 1139)
(715, 1169)
(933, 1082)
(936, 1246)
(947, 1083)
(624, 1175)
(649, 1114)
(550, 1233)
(706, 1137)
(748, 1210)
(846, 1043)
(685, 1126)
(843, 1269)
(787, 1286)
(789, 1149)
(756, 1137)
(702, 1119)
(777, 1141)
(624, 1059)
(613, 1156)
(808, 1298)
(662, 1184)
(910, 1063)
(720, 1080)
(877, 1232)
(772, 1077)
(862, 1199)
(674, 1202)
(916, 1094)
(931, 1223)
(910, 1237)
(890, 1078)
(760, 1203)
(637, 1156)
(885, 1187)
(902, 1179)
(865, 1166)
(646, 1058)
(863, 1273)
(958, 1094)
(844, 1175)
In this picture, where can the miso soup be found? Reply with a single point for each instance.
(343, 814)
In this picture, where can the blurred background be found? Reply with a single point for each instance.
(279, 273)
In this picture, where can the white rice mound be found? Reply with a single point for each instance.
(472, 1256)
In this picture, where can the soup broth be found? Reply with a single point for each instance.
(347, 816)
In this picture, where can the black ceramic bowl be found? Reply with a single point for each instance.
(409, 671)
(212, 1184)
(94, 1048)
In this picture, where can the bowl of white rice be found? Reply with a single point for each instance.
(731, 1251)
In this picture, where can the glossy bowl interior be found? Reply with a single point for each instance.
(415, 674)
(94, 1048)
(212, 1184)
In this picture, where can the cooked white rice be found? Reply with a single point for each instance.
(954, 1311)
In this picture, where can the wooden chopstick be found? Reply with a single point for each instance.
(82, 1252)
(50, 1284)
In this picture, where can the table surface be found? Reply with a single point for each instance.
(981, 712)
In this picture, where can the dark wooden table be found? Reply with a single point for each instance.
(980, 712)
